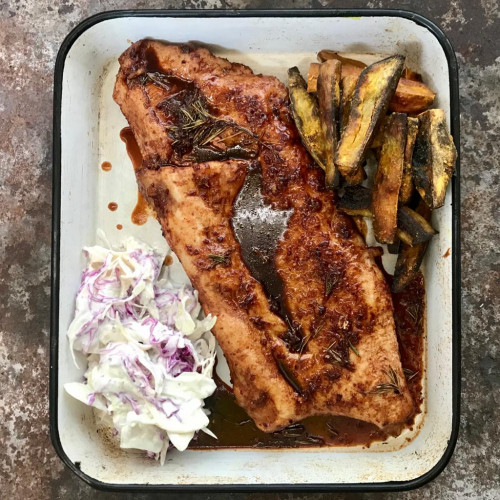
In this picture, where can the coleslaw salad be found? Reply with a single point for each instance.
(150, 355)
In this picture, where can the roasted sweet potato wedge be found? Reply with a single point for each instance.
(407, 181)
(325, 55)
(411, 96)
(357, 200)
(413, 224)
(410, 257)
(434, 157)
(387, 182)
(374, 89)
(348, 71)
(312, 77)
(306, 115)
(329, 104)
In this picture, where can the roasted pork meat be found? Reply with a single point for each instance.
(306, 324)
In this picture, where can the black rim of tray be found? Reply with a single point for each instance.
(56, 234)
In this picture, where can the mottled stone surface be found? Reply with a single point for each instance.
(30, 34)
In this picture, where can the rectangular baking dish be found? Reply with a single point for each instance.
(86, 127)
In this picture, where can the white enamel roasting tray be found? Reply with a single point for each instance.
(87, 123)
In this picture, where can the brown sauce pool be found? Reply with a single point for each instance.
(119, 227)
(113, 206)
(106, 166)
(234, 428)
(141, 211)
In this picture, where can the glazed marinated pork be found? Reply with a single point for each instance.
(308, 329)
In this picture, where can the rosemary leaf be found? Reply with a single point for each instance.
(217, 130)
(336, 356)
(331, 429)
(328, 287)
(305, 340)
(409, 374)
(219, 259)
(354, 350)
(391, 386)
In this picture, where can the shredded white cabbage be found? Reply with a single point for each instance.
(150, 356)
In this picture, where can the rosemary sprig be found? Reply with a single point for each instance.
(289, 376)
(391, 386)
(330, 282)
(212, 134)
(336, 357)
(332, 429)
(354, 350)
(409, 374)
(309, 439)
(292, 431)
(158, 79)
(413, 311)
(305, 340)
(222, 260)
(194, 126)
(194, 123)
